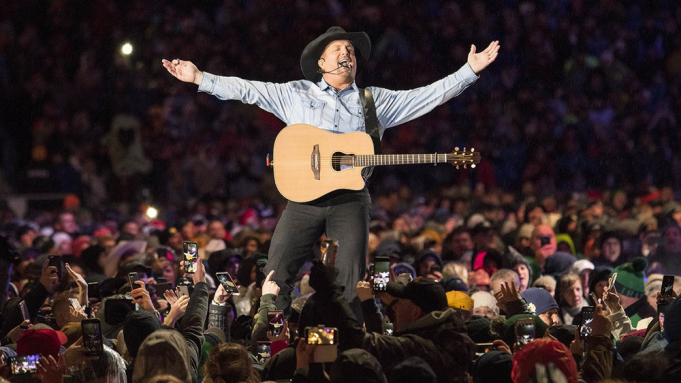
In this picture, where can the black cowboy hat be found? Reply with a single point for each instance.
(314, 50)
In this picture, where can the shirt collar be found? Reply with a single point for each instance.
(324, 86)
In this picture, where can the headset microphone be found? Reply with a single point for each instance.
(343, 64)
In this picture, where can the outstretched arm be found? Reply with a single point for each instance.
(397, 107)
(274, 98)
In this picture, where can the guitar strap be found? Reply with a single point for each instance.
(370, 118)
(370, 126)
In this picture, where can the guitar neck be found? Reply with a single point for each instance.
(399, 159)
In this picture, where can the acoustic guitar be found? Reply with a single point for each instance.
(310, 162)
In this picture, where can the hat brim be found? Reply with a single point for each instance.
(314, 50)
(396, 289)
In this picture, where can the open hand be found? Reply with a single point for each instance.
(177, 311)
(51, 370)
(183, 70)
(480, 61)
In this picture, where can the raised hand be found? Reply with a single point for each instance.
(364, 291)
(480, 61)
(176, 311)
(304, 354)
(221, 296)
(601, 323)
(82, 285)
(141, 295)
(170, 296)
(51, 370)
(183, 70)
(270, 286)
(16, 332)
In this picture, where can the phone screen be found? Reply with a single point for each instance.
(275, 320)
(524, 332)
(227, 282)
(585, 325)
(545, 240)
(330, 249)
(667, 286)
(263, 351)
(190, 250)
(92, 337)
(381, 274)
(24, 364)
(133, 277)
(482, 348)
(74, 303)
(24, 310)
(93, 293)
(321, 336)
(55, 260)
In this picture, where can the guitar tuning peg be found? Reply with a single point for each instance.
(472, 150)
(457, 167)
(473, 166)
(464, 149)
(464, 166)
(456, 149)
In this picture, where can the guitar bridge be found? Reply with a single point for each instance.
(314, 161)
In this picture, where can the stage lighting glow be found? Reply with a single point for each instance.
(126, 49)
(152, 212)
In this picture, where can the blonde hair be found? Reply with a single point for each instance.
(455, 269)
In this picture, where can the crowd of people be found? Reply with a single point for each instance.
(548, 260)
(584, 276)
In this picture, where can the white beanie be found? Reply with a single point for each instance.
(483, 298)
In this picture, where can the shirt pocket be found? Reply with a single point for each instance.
(357, 119)
(313, 110)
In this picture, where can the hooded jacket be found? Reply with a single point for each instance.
(166, 352)
(439, 337)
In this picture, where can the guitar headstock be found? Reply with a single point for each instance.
(464, 158)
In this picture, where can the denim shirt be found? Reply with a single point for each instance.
(320, 105)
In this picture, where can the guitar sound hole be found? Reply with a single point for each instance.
(341, 161)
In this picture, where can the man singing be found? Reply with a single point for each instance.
(329, 99)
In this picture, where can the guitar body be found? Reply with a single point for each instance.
(307, 161)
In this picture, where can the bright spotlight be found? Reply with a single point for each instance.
(126, 49)
(152, 212)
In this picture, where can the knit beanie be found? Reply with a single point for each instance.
(539, 300)
(630, 278)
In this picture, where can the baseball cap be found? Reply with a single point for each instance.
(425, 293)
(43, 341)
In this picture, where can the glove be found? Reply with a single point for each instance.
(321, 277)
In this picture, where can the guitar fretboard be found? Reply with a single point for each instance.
(399, 159)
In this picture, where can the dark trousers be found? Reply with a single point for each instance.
(344, 217)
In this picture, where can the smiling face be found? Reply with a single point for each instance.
(339, 59)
